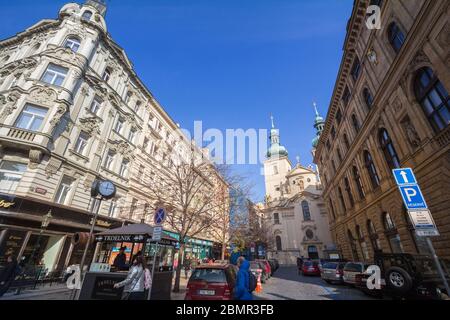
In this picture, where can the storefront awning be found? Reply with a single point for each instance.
(140, 232)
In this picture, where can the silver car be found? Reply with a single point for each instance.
(333, 272)
(352, 269)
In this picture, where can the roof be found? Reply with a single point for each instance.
(134, 229)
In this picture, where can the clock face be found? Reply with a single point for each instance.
(107, 189)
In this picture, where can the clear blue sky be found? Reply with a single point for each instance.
(229, 63)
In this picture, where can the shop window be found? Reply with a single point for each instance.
(11, 173)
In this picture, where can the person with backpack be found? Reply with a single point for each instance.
(245, 281)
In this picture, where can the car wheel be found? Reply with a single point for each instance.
(398, 280)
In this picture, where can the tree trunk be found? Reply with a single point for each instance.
(223, 250)
(176, 286)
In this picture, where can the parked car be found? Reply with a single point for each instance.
(268, 269)
(277, 264)
(257, 269)
(333, 272)
(311, 268)
(407, 276)
(272, 267)
(265, 275)
(351, 270)
(300, 262)
(211, 282)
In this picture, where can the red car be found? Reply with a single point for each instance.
(267, 266)
(311, 268)
(212, 282)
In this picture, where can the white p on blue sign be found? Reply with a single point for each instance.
(413, 197)
(404, 176)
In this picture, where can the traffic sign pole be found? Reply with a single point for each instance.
(438, 265)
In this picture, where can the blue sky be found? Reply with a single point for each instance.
(229, 63)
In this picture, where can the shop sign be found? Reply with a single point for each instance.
(102, 223)
(120, 238)
(104, 289)
(40, 191)
(7, 202)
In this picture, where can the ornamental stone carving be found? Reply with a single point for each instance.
(35, 157)
(123, 148)
(43, 95)
(62, 109)
(411, 133)
(18, 66)
(8, 104)
(90, 125)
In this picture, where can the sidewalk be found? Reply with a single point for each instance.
(179, 295)
(40, 293)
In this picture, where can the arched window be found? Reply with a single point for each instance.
(278, 243)
(87, 15)
(306, 212)
(72, 43)
(388, 149)
(391, 233)
(362, 243)
(368, 99)
(371, 169)
(34, 49)
(373, 236)
(352, 241)
(107, 75)
(346, 142)
(358, 182)
(349, 192)
(433, 97)
(276, 218)
(355, 123)
(356, 69)
(396, 36)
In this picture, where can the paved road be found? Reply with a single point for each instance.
(286, 284)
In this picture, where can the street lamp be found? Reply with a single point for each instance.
(44, 224)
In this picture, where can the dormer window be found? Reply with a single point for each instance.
(87, 15)
(73, 44)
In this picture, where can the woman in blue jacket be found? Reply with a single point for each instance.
(241, 291)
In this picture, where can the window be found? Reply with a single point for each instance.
(106, 75)
(132, 135)
(339, 155)
(356, 69)
(352, 241)
(5, 59)
(276, 218)
(10, 174)
(368, 99)
(124, 168)
(371, 169)
(128, 97)
(396, 36)
(145, 145)
(358, 182)
(433, 97)
(346, 142)
(306, 212)
(112, 210)
(31, 118)
(376, 245)
(334, 165)
(333, 132)
(278, 243)
(355, 123)
(134, 203)
(331, 205)
(392, 234)
(95, 105)
(341, 198)
(362, 243)
(137, 106)
(349, 192)
(388, 149)
(72, 43)
(275, 170)
(328, 145)
(346, 96)
(87, 15)
(109, 161)
(55, 75)
(80, 145)
(119, 125)
(62, 195)
(339, 116)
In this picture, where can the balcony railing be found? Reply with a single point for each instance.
(443, 138)
(21, 134)
(27, 137)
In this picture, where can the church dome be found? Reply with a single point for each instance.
(315, 141)
(277, 149)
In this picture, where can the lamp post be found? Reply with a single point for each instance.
(44, 224)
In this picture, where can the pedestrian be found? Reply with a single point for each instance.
(147, 280)
(120, 260)
(135, 282)
(8, 274)
(242, 289)
(187, 266)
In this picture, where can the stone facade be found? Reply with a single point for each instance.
(381, 116)
(72, 109)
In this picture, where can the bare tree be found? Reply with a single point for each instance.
(192, 191)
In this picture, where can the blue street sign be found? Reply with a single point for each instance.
(160, 216)
(413, 197)
(404, 176)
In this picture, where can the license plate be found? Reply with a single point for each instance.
(207, 292)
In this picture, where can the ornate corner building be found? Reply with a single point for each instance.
(294, 208)
(73, 109)
(390, 108)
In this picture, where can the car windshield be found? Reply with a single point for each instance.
(330, 265)
(209, 275)
(311, 263)
(353, 267)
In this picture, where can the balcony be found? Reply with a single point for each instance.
(24, 139)
(20, 134)
(443, 138)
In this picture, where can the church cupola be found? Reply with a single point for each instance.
(319, 124)
(276, 149)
